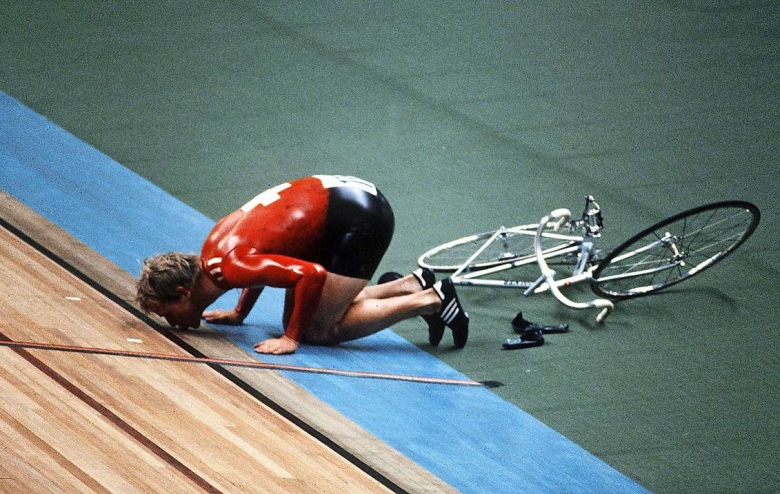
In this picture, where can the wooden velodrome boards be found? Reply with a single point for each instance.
(79, 422)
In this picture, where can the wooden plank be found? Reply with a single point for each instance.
(158, 392)
(86, 422)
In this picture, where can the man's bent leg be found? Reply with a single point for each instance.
(338, 294)
(342, 317)
(372, 315)
(402, 286)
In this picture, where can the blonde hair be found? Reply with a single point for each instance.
(162, 274)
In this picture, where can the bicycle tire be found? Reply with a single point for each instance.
(695, 240)
(511, 246)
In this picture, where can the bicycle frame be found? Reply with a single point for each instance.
(590, 225)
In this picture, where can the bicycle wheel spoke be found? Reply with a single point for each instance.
(714, 225)
(728, 240)
(675, 249)
(694, 235)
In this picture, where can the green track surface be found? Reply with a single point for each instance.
(469, 116)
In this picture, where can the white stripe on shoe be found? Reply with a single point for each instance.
(418, 274)
(449, 313)
(437, 288)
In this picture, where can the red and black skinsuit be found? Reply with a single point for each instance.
(292, 235)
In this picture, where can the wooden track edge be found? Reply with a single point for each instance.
(395, 470)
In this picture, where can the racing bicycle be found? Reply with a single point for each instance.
(657, 257)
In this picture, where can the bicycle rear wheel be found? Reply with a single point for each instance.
(511, 245)
(675, 249)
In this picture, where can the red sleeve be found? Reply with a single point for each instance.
(245, 268)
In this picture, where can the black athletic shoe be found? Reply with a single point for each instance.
(426, 278)
(388, 277)
(452, 313)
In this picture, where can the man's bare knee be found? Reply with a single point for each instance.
(324, 336)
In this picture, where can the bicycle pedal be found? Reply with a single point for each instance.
(520, 325)
(517, 343)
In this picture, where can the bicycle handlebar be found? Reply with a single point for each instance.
(558, 218)
(563, 215)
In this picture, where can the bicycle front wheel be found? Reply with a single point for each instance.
(511, 245)
(675, 249)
